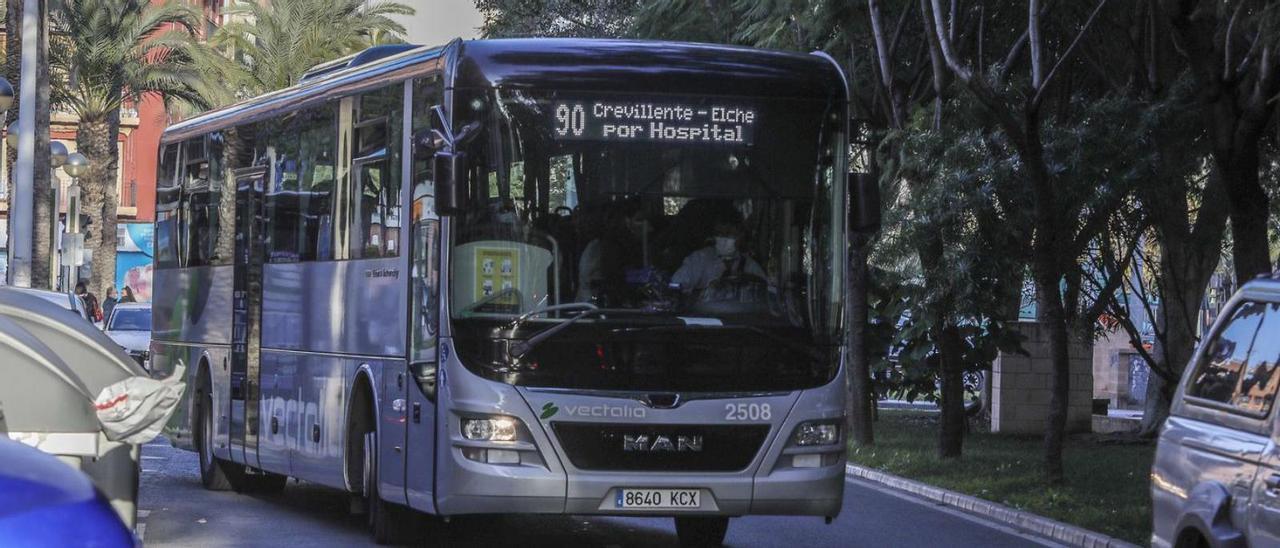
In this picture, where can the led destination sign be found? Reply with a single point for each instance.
(646, 121)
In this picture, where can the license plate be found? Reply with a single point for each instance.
(659, 498)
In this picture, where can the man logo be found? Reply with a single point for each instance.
(661, 444)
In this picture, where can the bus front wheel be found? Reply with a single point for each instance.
(388, 522)
(215, 473)
(701, 531)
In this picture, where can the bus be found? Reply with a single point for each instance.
(543, 276)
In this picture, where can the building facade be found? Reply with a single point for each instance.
(140, 128)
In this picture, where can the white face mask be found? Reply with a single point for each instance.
(726, 247)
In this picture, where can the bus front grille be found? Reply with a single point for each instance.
(660, 447)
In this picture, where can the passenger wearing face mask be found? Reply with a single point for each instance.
(723, 258)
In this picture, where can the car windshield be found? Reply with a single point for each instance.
(696, 218)
(130, 319)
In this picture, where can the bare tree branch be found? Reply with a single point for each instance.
(882, 56)
(1037, 44)
(1048, 79)
(1226, 41)
(948, 52)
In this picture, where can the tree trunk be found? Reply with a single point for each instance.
(948, 343)
(96, 139)
(12, 68)
(1054, 317)
(861, 401)
(951, 435)
(1249, 246)
(45, 214)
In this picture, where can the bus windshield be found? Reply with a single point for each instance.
(703, 233)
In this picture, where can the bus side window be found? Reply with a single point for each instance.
(168, 200)
(375, 194)
(300, 191)
(424, 314)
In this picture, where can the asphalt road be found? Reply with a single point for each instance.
(175, 510)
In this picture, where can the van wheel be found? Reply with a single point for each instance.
(701, 531)
(388, 522)
(215, 474)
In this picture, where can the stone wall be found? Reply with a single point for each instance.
(1021, 385)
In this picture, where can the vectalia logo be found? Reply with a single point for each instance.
(549, 410)
(606, 411)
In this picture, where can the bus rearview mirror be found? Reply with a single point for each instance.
(451, 185)
(864, 203)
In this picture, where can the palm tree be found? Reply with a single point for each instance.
(273, 43)
(119, 52)
(269, 46)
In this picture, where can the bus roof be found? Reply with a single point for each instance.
(633, 66)
(645, 67)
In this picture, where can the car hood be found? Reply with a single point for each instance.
(131, 340)
(45, 502)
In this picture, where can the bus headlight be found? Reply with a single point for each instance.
(490, 429)
(817, 433)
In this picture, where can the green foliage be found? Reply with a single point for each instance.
(117, 50)
(269, 45)
(1110, 492)
(557, 18)
(903, 353)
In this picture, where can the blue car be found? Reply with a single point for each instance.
(44, 502)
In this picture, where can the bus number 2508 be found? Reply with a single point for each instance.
(748, 411)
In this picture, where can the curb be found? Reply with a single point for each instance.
(1040, 525)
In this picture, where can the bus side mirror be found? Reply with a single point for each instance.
(451, 181)
(864, 203)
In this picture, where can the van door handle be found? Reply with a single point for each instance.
(1273, 483)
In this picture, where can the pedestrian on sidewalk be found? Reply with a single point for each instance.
(128, 296)
(109, 302)
(90, 302)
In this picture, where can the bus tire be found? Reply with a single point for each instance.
(215, 474)
(701, 531)
(388, 522)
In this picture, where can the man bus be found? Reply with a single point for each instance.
(373, 277)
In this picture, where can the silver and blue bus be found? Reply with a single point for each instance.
(517, 276)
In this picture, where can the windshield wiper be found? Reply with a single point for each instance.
(520, 349)
(552, 308)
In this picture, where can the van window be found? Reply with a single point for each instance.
(1220, 376)
(1260, 380)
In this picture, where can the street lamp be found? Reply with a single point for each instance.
(72, 255)
(57, 154)
(6, 95)
(75, 166)
(57, 157)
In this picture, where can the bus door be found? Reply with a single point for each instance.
(246, 316)
(424, 302)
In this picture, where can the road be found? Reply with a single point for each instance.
(174, 510)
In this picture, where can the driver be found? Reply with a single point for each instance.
(721, 259)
